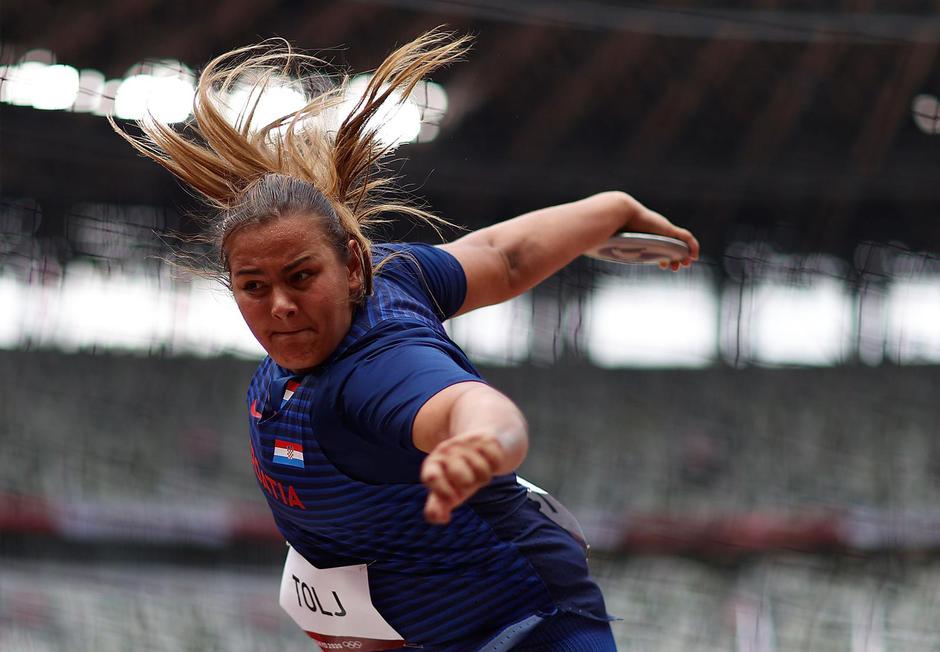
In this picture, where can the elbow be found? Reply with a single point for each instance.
(487, 411)
(511, 259)
(520, 271)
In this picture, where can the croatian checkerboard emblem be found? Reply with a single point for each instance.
(288, 452)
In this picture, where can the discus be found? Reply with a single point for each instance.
(640, 248)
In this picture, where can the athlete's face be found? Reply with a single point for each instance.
(293, 289)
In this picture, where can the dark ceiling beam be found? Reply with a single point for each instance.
(189, 43)
(791, 197)
(578, 93)
(233, 16)
(771, 128)
(330, 26)
(420, 23)
(85, 157)
(791, 95)
(565, 179)
(665, 119)
(888, 111)
(489, 72)
(712, 70)
(893, 105)
(780, 25)
(81, 30)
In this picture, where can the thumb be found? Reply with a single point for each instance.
(437, 509)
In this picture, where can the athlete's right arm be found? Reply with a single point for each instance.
(471, 432)
(506, 259)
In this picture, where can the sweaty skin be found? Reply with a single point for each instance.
(293, 289)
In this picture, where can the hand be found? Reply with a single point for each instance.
(456, 469)
(644, 220)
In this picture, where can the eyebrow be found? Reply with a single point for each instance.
(288, 267)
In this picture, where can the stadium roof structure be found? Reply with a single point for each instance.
(811, 124)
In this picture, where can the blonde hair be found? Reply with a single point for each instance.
(296, 163)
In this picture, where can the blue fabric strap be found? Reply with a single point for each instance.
(507, 638)
(569, 633)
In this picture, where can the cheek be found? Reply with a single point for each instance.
(324, 297)
(252, 310)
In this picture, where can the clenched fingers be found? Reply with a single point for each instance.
(455, 470)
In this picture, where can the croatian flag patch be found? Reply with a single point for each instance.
(289, 453)
(289, 390)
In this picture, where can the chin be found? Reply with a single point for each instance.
(296, 353)
(297, 363)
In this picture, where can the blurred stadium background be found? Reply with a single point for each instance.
(753, 446)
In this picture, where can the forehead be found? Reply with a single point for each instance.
(276, 242)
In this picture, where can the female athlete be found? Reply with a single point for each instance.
(386, 459)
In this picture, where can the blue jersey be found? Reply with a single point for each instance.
(338, 467)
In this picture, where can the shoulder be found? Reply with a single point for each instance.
(412, 257)
(401, 335)
(409, 299)
(425, 272)
(392, 350)
(379, 385)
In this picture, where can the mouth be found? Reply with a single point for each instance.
(289, 333)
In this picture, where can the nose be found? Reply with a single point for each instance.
(282, 305)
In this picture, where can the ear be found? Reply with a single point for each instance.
(354, 270)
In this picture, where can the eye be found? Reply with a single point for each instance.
(252, 287)
(301, 276)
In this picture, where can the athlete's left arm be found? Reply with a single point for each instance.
(471, 432)
(508, 258)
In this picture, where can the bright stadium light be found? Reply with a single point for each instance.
(402, 126)
(280, 97)
(208, 322)
(653, 322)
(106, 100)
(39, 82)
(913, 314)
(871, 325)
(412, 120)
(431, 100)
(162, 89)
(91, 85)
(398, 121)
(926, 112)
(11, 297)
(6, 79)
(84, 308)
(111, 310)
(22, 82)
(133, 96)
(40, 309)
(56, 88)
(808, 325)
(498, 335)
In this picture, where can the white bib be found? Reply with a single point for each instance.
(334, 607)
